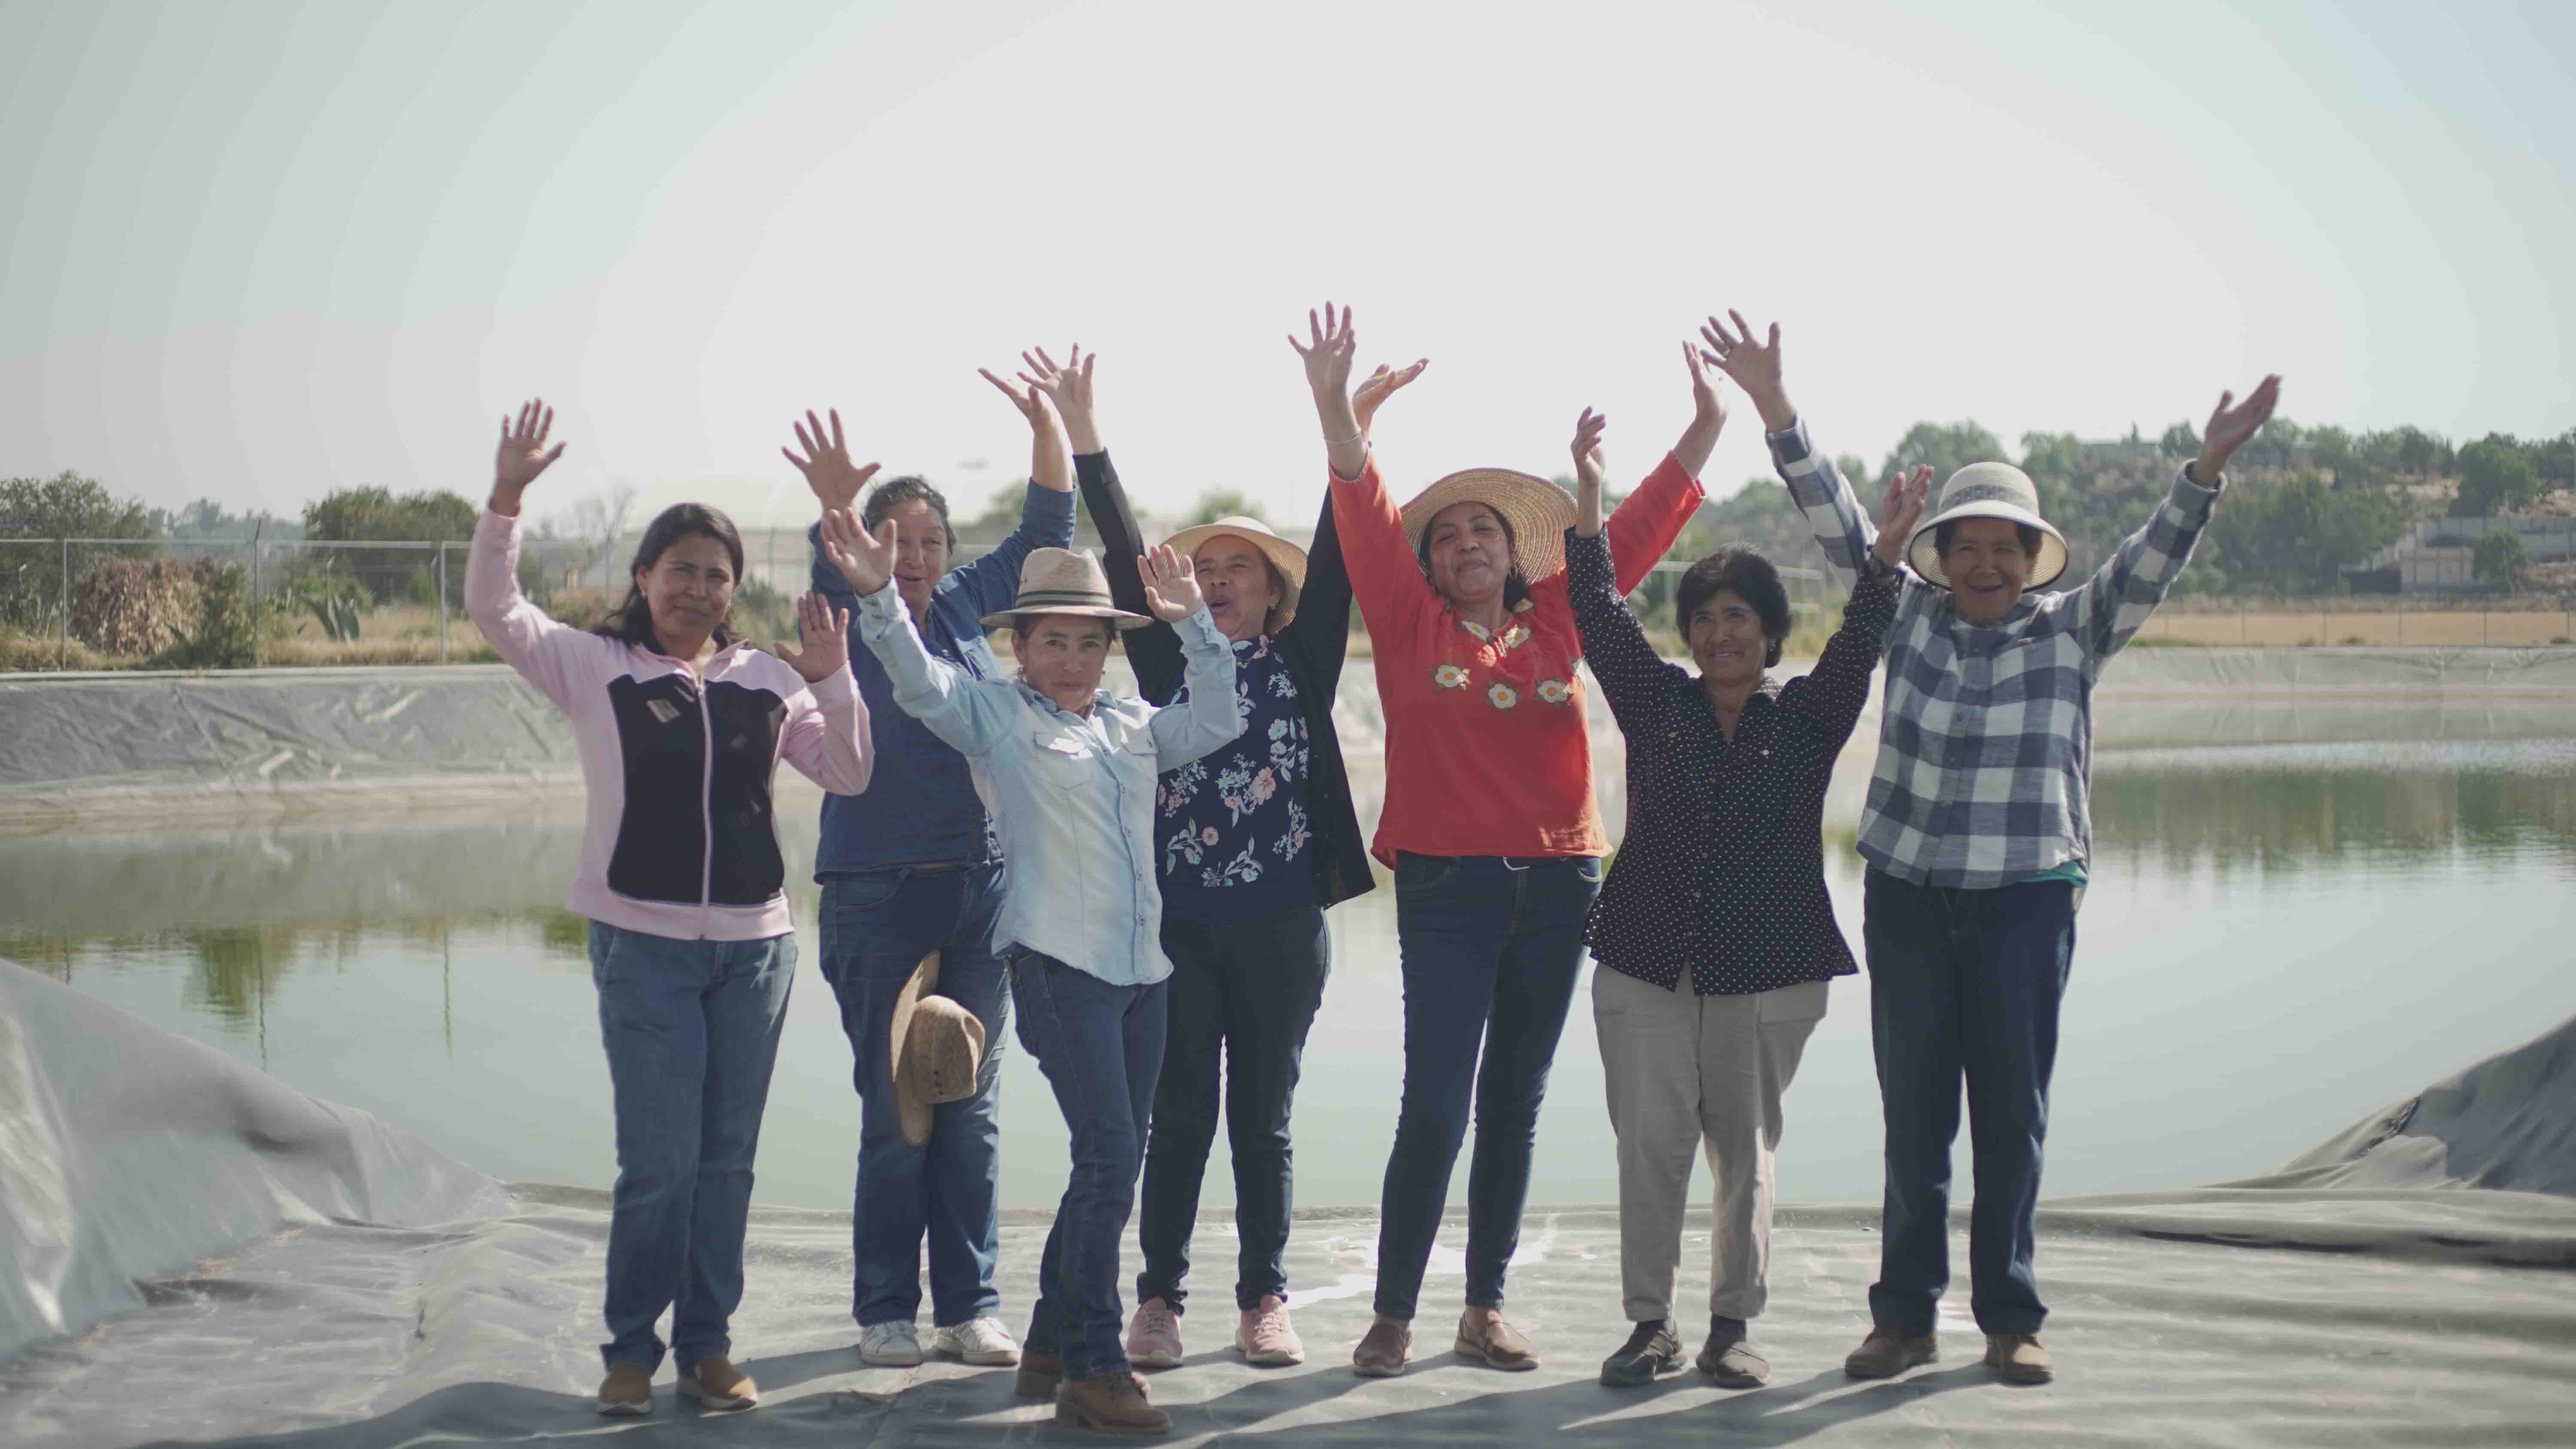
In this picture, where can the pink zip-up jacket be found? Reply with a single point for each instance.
(681, 840)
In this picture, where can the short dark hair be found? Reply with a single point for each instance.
(905, 489)
(1749, 576)
(1942, 531)
(632, 621)
(1515, 587)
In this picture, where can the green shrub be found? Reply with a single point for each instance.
(228, 624)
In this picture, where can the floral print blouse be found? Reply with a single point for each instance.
(1235, 821)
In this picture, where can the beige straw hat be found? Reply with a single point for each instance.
(1061, 581)
(1284, 556)
(1988, 490)
(1538, 511)
(937, 1047)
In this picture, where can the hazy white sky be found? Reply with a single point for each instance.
(258, 250)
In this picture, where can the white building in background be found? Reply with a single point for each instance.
(2440, 555)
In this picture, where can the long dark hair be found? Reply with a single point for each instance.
(632, 621)
(1515, 587)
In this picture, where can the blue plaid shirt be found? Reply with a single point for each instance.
(1985, 739)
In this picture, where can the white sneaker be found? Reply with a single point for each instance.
(977, 1341)
(889, 1345)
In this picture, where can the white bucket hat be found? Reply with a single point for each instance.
(1988, 490)
(1062, 581)
(1538, 511)
(1284, 556)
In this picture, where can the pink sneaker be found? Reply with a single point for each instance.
(1154, 1336)
(1264, 1337)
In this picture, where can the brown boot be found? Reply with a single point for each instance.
(627, 1391)
(2017, 1358)
(1039, 1375)
(1494, 1342)
(1383, 1351)
(717, 1384)
(1887, 1353)
(1110, 1404)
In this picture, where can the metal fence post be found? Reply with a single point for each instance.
(63, 659)
(442, 601)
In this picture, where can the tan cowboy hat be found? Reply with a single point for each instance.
(1538, 511)
(1284, 556)
(937, 1047)
(1062, 581)
(1988, 490)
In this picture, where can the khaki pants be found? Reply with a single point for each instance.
(1685, 1070)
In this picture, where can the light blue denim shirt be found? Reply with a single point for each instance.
(1075, 794)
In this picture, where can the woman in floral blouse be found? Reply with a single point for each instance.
(1489, 821)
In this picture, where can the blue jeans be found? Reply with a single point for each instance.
(1101, 1047)
(691, 1029)
(1247, 991)
(876, 927)
(1963, 984)
(1492, 948)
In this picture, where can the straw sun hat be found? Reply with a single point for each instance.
(1061, 581)
(1284, 556)
(1538, 511)
(937, 1047)
(1988, 490)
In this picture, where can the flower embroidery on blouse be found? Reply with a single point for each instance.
(1502, 696)
(1450, 676)
(1553, 691)
(1513, 636)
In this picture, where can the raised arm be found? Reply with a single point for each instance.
(1833, 513)
(1153, 651)
(2114, 604)
(1632, 676)
(1212, 717)
(1385, 578)
(1647, 521)
(1833, 693)
(836, 483)
(971, 717)
(826, 735)
(559, 660)
(1046, 512)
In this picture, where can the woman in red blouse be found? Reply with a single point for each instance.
(1489, 820)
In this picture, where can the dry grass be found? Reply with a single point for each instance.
(2354, 622)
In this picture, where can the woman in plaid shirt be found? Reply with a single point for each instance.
(1977, 836)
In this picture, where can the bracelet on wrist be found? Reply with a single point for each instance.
(1353, 438)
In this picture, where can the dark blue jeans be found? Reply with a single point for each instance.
(1492, 948)
(876, 927)
(1101, 1047)
(691, 1029)
(1247, 991)
(1963, 984)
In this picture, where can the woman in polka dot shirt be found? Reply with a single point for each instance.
(1489, 822)
(1713, 932)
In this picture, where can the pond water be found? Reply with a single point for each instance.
(2298, 914)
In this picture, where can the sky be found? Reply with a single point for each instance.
(258, 251)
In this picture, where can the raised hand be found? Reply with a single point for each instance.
(866, 560)
(1031, 405)
(1588, 472)
(1171, 584)
(826, 464)
(827, 640)
(1069, 387)
(1755, 366)
(523, 453)
(1327, 351)
(1706, 405)
(1380, 385)
(1899, 511)
(2230, 427)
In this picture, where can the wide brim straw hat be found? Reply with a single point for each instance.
(1062, 581)
(1538, 511)
(1988, 490)
(937, 1048)
(1284, 556)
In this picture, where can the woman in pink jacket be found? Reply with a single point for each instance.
(681, 726)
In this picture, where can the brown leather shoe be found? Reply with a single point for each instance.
(2017, 1358)
(1384, 1349)
(1494, 1341)
(626, 1392)
(1887, 1353)
(1110, 1404)
(717, 1384)
(1039, 1375)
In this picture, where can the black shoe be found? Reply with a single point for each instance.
(1649, 1351)
(1728, 1360)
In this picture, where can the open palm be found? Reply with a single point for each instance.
(826, 464)
(865, 559)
